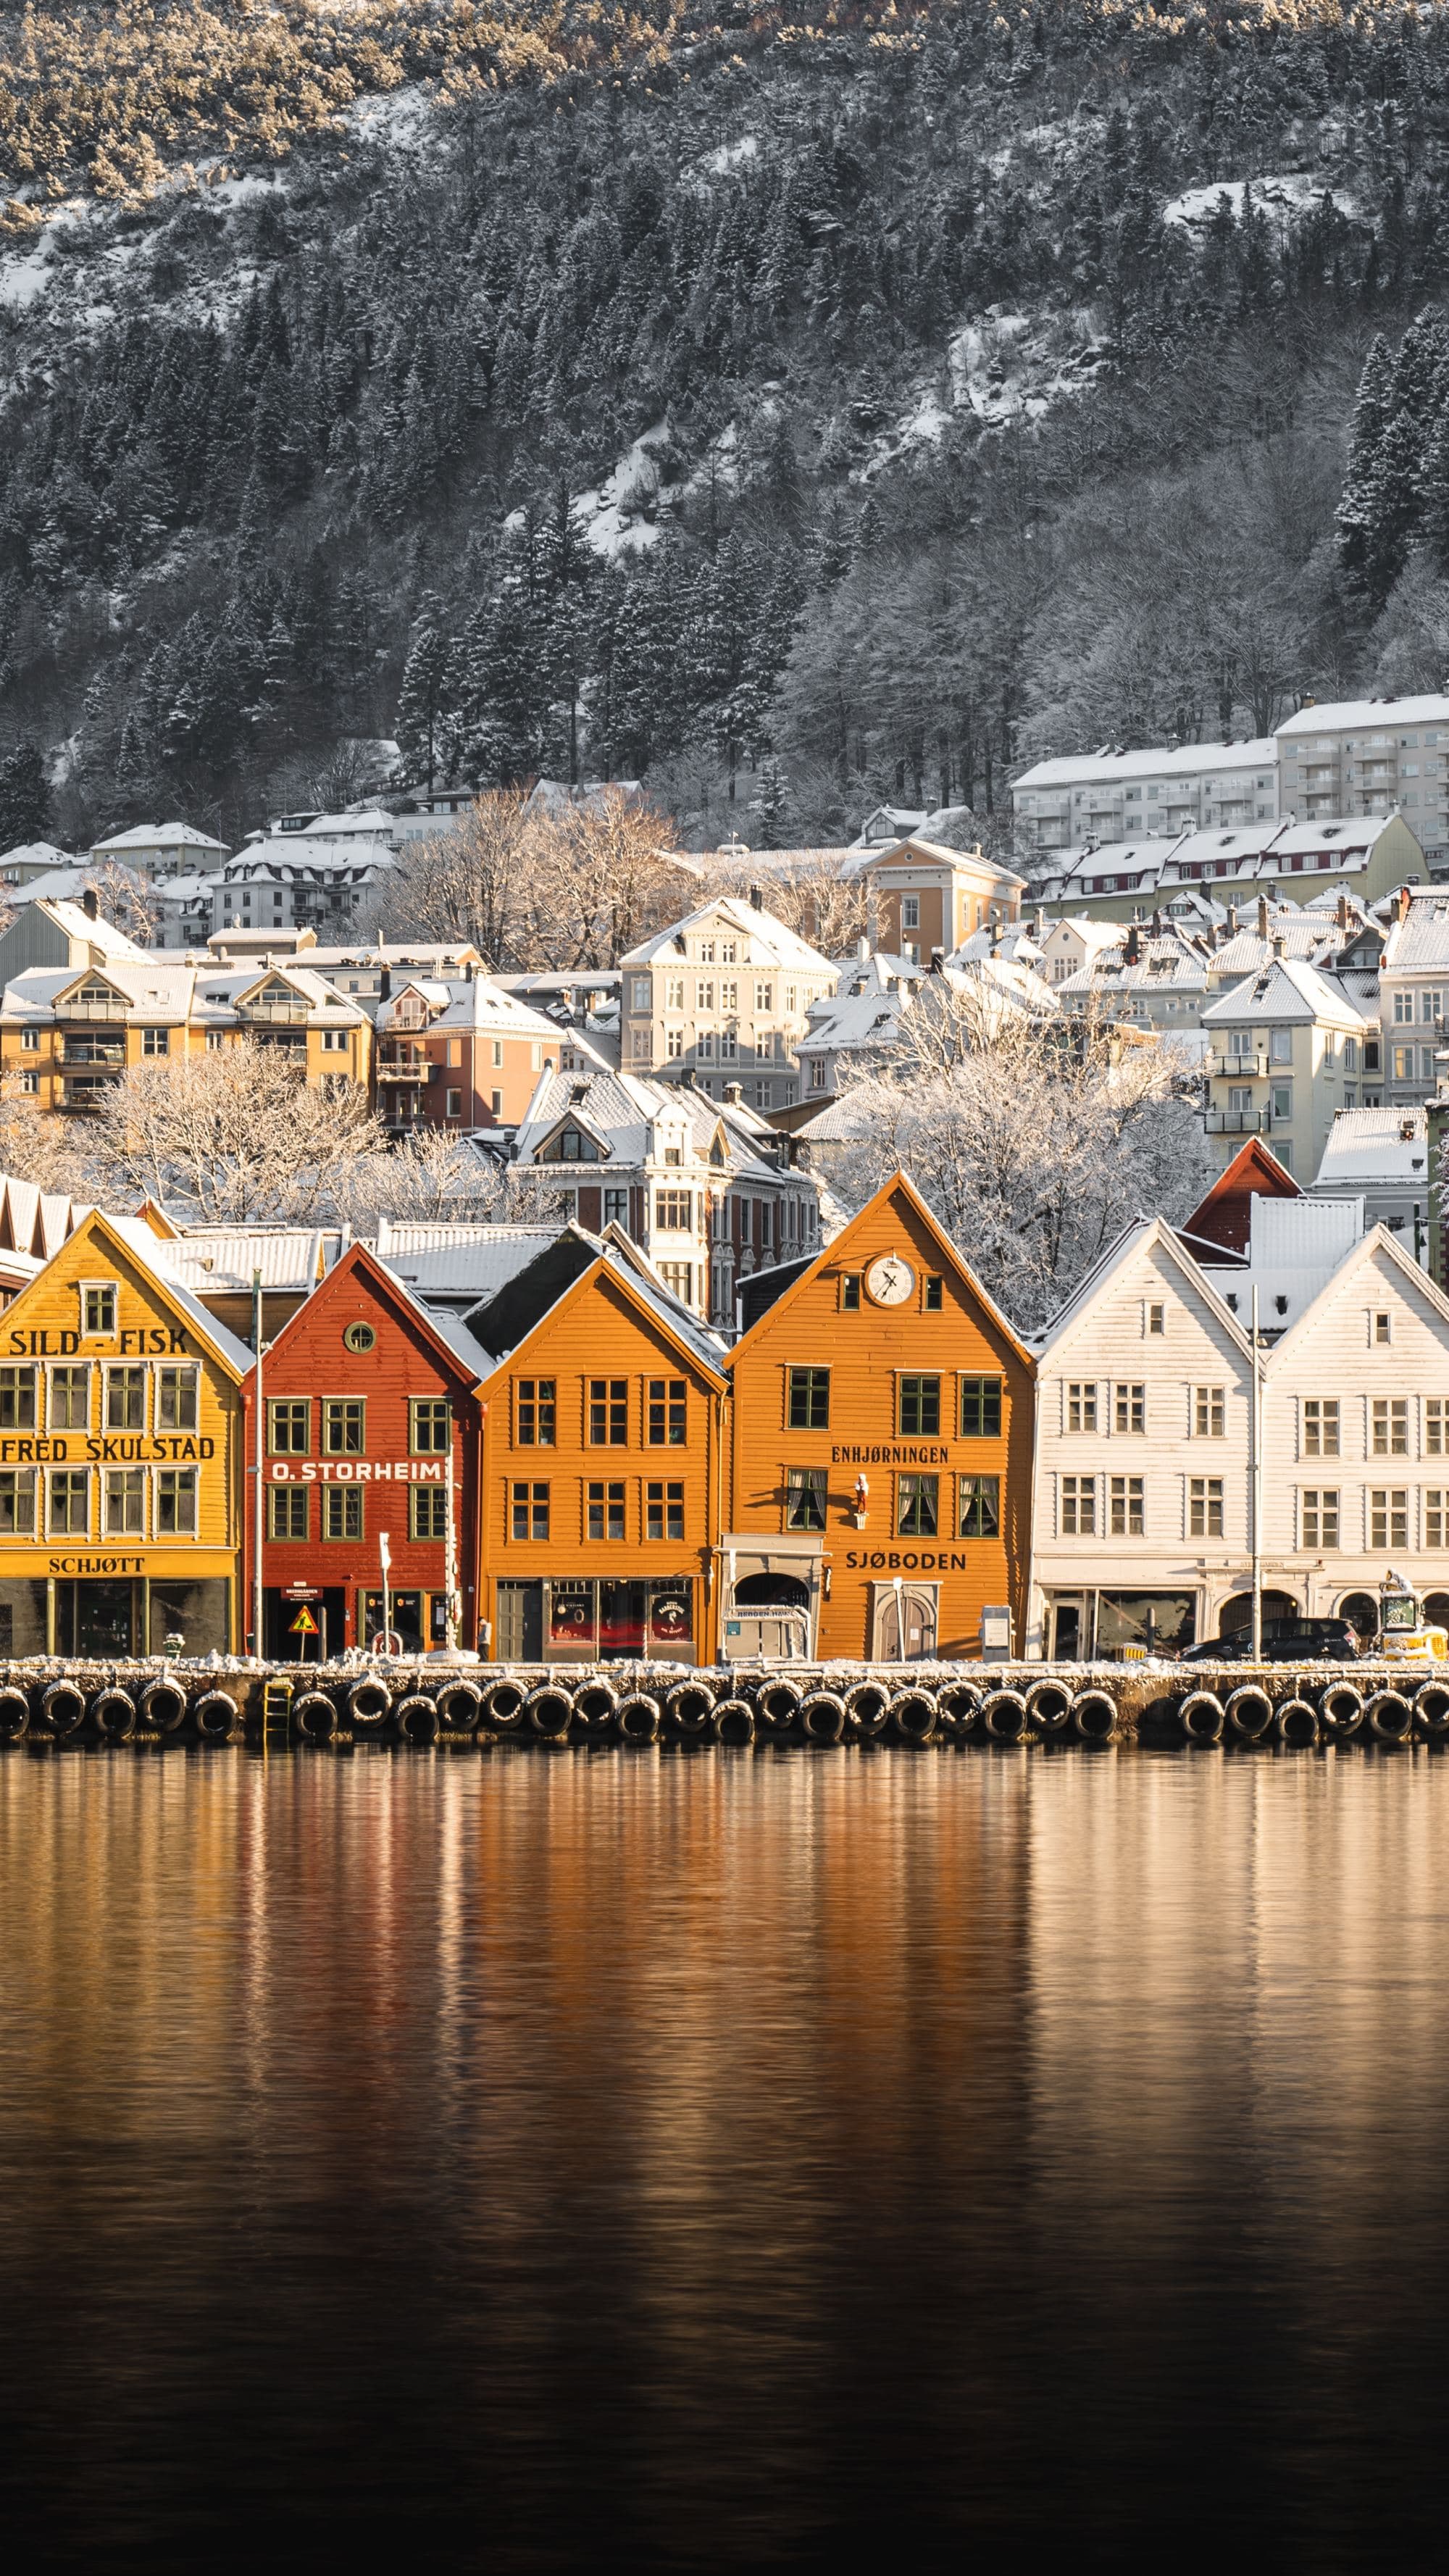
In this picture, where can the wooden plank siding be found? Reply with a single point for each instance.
(104, 1567)
(601, 1329)
(395, 1480)
(867, 1348)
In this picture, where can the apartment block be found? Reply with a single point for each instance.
(1115, 795)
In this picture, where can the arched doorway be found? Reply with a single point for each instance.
(772, 1591)
(1279, 1610)
(1436, 1609)
(1361, 1611)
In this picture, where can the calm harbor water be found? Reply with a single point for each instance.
(723, 2160)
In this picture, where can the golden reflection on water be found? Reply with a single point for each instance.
(724, 2132)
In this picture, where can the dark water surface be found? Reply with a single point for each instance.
(666, 2161)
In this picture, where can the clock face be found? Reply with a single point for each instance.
(889, 1281)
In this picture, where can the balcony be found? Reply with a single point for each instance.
(402, 1064)
(84, 1090)
(1240, 1068)
(1237, 1122)
(81, 1048)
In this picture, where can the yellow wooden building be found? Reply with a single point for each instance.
(66, 1032)
(121, 1474)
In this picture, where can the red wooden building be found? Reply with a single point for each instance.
(372, 1432)
(1221, 1221)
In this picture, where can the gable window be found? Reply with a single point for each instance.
(1157, 1319)
(1081, 1404)
(608, 1412)
(980, 1408)
(850, 1293)
(575, 1147)
(808, 1399)
(935, 1292)
(919, 1407)
(535, 1413)
(430, 1426)
(98, 1309)
(1383, 1328)
(289, 1426)
(665, 1413)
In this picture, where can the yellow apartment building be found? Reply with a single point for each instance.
(65, 1032)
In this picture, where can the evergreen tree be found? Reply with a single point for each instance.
(1356, 517)
(424, 701)
(24, 797)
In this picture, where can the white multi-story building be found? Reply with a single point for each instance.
(162, 850)
(1289, 1049)
(1142, 1521)
(724, 996)
(1114, 795)
(1370, 756)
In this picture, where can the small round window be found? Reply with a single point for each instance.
(360, 1337)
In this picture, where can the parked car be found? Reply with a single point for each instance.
(1305, 1641)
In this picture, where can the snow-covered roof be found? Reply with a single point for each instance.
(770, 941)
(369, 822)
(156, 836)
(286, 1256)
(1370, 714)
(147, 1249)
(1303, 935)
(54, 885)
(101, 935)
(1369, 1145)
(35, 854)
(1288, 989)
(1163, 966)
(465, 1261)
(1419, 943)
(479, 1004)
(837, 1124)
(1177, 760)
(281, 860)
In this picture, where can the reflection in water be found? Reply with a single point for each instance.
(651, 2160)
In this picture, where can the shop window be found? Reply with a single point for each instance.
(805, 1498)
(919, 1407)
(665, 1413)
(917, 1506)
(608, 1412)
(176, 1399)
(341, 1512)
(981, 1409)
(70, 1399)
(535, 1413)
(125, 1399)
(344, 1426)
(427, 1511)
(287, 1511)
(70, 1502)
(606, 1510)
(529, 1517)
(808, 1399)
(430, 1423)
(979, 1511)
(17, 1399)
(664, 1511)
(176, 1500)
(125, 1502)
(289, 1426)
(17, 1502)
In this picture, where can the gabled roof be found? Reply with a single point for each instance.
(563, 1273)
(1375, 1243)
(1287, 989)
(453, 1345)
(911, 849)
(1141, 1234)
(1220, 1220)
(772, 942)
(101, 935)
(133, 1236)
(464, 1263)
(160, 836)
(837, 1250)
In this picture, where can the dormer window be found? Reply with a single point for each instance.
(575, 1147)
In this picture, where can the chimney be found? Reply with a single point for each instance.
(734, 1093)
(1157, 921)
(1340, 912)
(1262, 916)
(1405, 899)
(862, 948)
(1280, 945)
(938, 956)
(89, 905)
(1232, 919)
(757, 900)
(1133, 950)
(384, 984)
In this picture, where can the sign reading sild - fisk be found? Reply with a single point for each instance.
(119, 1482)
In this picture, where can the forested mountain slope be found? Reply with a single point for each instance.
(804, 410)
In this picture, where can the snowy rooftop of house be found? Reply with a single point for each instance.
(1294, 1247)
(1303, 935)
(1164, 966)
(1012, 942)
(1179, 760)
(1287, 989)
(1419, 944)
(913, 851)
(838, 1124)
(100, 935)
(480, 1004)
(286, 1256)
(1091, 933)
(157, 836)
(1371, 714)
(849, 1020)
(149, 1250)
(1368, 1145)
(34, 855)
(369, 822)
(771, 941)
(288, 852)
(465, 1262)
(54, 885)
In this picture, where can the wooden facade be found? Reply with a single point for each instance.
(372, 1426)
(602, 1466)
(120, 1462)
(880, 1452)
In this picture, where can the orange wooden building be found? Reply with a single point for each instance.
(602, 1471)
(879, 1493)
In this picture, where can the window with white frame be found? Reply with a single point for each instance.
(1318, 1516)
(1130, 1409)
(1320, 1426)
(1433, 1516)
(1127, 1506)
(1205, 1507)
(1208, 1410)
(1436, 1419)
(1388, 1516)
(1389, 1437)
(1078, 1507)
(1381, 1326)
(1081, 1404)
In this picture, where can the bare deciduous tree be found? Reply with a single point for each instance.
(37, 1146)
(231, 1137)
(533, 888)
(433, 1177)
(128, 899)
(1034, 1150)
